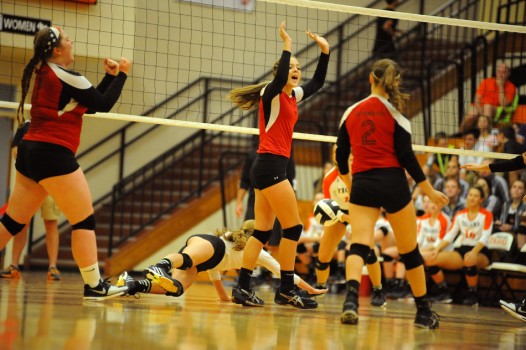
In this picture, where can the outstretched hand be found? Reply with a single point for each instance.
(124, 65)
(321, 41)
(287, 41)
(439, 198)
(475, 167)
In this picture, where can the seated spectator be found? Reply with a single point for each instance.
(470, 137)
(487, 141)
(491, 202)
(456, 202)
(491, 93)
(499, 186)
(511, 213)
(507, 138)
(452, 171)
(436, 163)
(474, 225)
(432, 228)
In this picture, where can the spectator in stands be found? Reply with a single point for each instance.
(436, 162)
(456, 202)
(508, 139)
(491, 93)
(499, 186)
(386, 33)
(470, 137)
(474, 225)
(452, 171)
(487, 141)
(510, 218)
(491, 202)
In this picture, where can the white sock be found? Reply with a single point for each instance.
(91, 274)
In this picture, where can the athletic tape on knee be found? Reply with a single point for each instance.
(361, 250)
(11, 225)
(433, 270)
(187, 262)
(322, 265)
(371, 257)
(293, 233)
(86, 224)
(471, 270)
(262, 236)
(413, 259)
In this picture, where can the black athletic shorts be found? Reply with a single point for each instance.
(385, 187)
(41, 160)
(463, 249)
(268, 170)
(219, 252)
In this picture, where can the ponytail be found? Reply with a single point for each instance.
(247, 98)
(45, 40)
(386, 73)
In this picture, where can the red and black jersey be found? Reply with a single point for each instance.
(60, 99)
(278, 113)
(380, 137)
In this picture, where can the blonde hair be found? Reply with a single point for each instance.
(386, 73)
(247, 97)
(238, 237)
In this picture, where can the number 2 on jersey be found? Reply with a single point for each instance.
(369, 125)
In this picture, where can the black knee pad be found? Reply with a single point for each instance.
(371, 257)
(361, 250)
(86, 224)
(293, 233)
(387, 258)
(433, 270)
(262, 236)
(187, 262)
(322, 265)
(413, 259)
(11, 225)
(471, 271)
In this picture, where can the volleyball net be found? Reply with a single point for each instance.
(187, 55)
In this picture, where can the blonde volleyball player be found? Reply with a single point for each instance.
(212, 253)
(278, 114)
(380, 138)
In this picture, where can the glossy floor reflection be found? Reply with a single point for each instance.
(36, 314)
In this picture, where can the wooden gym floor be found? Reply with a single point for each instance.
(36, 314)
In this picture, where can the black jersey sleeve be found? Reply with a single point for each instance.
(318, 79)
(343, 150)
(406, 156)
(516, 163)
(105, 82)
(280, 79)
(94, 99)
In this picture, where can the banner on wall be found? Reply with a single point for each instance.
(241, 5)
(22, 25)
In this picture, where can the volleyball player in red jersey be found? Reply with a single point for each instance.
(380, 138)
(46, 156)
(278, 113)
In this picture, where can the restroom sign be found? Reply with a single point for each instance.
(22, 25)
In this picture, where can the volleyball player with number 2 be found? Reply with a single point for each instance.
(380, 138)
